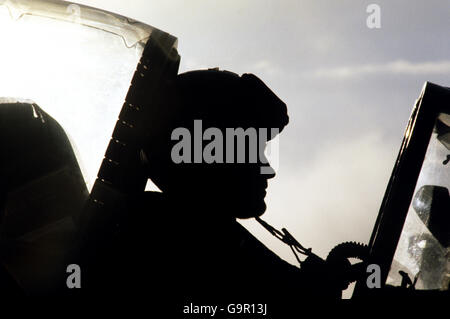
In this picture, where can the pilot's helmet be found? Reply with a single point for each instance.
(225, 99)
(220, 99)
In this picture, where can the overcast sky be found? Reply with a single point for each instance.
(349, 91)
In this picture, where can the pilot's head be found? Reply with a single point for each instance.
(211, 153)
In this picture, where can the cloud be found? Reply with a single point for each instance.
(401, 67)
(190, 64)
(335, 199)
(265, 67)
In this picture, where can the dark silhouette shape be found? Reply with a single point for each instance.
(432, 259)
(42, 193)
(432, 205)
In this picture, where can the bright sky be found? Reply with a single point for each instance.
(349, 91)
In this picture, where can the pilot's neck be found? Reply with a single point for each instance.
(198, 207)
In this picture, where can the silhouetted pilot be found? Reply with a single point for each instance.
(193, 246)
